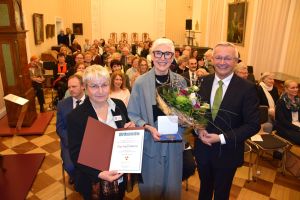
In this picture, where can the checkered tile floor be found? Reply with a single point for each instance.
(271, 184)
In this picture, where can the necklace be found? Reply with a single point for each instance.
(163, 83)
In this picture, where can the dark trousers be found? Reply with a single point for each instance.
(61, 87)
(89, 190)
(38, 87)
(215, 181)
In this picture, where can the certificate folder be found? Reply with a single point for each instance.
(97, 144)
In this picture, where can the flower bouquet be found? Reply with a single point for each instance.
(183, 102)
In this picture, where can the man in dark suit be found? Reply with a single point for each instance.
(61, 39)
(234, 117)
(191, 74)
(64, 107)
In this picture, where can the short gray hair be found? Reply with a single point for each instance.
(163, 41)
(227, 44)
(95, 72)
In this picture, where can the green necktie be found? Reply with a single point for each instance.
(217, 100)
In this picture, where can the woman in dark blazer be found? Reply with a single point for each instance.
(268, 96)
(288, 113)
(110, 111)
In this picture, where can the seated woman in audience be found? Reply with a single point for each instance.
(195, 54)
(116, 65)
(68, 55)
(288, 113)
(118, 87)
(61, 74)
(143, 68)
(268, 96)
(134, 67)
(100, 106)
(241, 70)
(182, 63)
(75, 48)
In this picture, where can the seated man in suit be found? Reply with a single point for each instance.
(191, 74)
(234, 117)
(64, 107)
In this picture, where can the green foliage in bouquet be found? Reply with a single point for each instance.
(185, 102)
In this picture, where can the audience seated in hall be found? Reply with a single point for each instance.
(268, 96)
(287, 113)
(118, 89)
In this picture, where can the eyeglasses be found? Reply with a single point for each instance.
(96, 87)
(225, 59)
(159, 54)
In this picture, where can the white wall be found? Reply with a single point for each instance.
(126, 16)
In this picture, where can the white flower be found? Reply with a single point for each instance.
(195, 88)
(193, 98)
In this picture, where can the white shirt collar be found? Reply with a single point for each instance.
(81, 101)
(226, 80)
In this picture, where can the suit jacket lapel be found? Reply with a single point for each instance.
(227, 99)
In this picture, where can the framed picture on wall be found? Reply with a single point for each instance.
(38, 28)
(50, 30)
(77, 29)
(237, 14)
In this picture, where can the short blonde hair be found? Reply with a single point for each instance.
(182, 59)
(288, 82)
(95, 72)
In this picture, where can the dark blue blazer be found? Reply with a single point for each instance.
(64, 107)
(237, 119)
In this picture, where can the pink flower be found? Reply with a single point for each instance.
(197, 105)
(183, 92)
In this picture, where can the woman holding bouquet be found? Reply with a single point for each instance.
(110, 111)
(162, 161)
